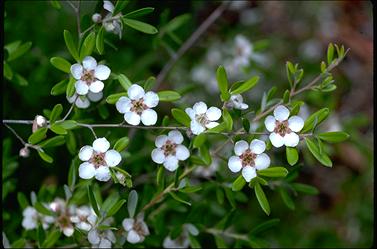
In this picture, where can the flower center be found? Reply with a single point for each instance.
(201, 119)
(138, 106)
(139, 228)
(98, 159)
(169, 148)
(88, 76)
(282, 128)
(64, 220)
(248, 158)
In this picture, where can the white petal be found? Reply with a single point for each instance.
(107, 5)
(200, 107)
(212, 125)
(143, 226)
(295, 123)
(133, 237)
(103, 174)
(276, 140)
(291, 139)
(72, 98)
(29, 212)
(181, 152)
(158, 156)
(128, 224)
(281, 113)
(89, 63)
(102, 72)
(112, 158)
(248, 173)
(86, 170)
(242, 106)
(132, 118)
(29, 223)
(76, 71)
(93, 237)
(82, 102)
(105, 243)
(81, 87)
(151, 99)
(94, 96)
(169, 243)
(160, 140)
(257, 146)
(85, 153)
(96, 86)
(123, 105)
(84, 226)
(270, 123)
(101, 145)
(262, 161)
(149, 117)
(190, 112)
(175, 136)
(68, 231)
(171, 163)
(110, 236)
(135, 92)
(213, 113)
(240, 147)
(235, 164)
(196, 127)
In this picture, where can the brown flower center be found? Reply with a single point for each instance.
(98, 159)
(169, 148)
(138, 106)
(88, 76)
(248, 158)
(202, 119)
(138, 227)
(282, 128)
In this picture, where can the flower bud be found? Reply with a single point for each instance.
(96, 18)
(39, 122)
(24, 152)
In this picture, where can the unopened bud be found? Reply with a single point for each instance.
(121, 178)
(39, 122)
(24, 152)
(96, 18)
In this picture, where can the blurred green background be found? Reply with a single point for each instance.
(298, 31)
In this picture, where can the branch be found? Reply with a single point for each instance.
(226, 234)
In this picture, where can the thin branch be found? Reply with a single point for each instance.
(15, 133)
(70, 110)
(226, 234)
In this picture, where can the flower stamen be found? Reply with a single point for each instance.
(248, 158)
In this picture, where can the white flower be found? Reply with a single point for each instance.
(136, 229)
(170, 150)
(137, 106)
(203, 118)
(112, 23)
(283, 130)
(31, 218)
(96, 18)
(83, 101)
(84, 218)
(97, 160)
(89, 76)
(249, 158)
(182, 241)
(243, 51)
(101, 238)
(236, 101)
(64, 216)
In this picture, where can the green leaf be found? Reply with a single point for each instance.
(246, 124)
(140, 26)
(194, 243)
(330, 53)
(181, 117)
(40, 235)
(191, 189)
(20, 80)
(177, 198)
(59, 88)
(61, 64)
(334, 137)
(93, 201)
(149, 83)
(273, 172)
(70, 87)
(37, 136)
(217, 129)
(72, 173)
(314, 149)
(113, 98)
(42, 209)
(264, 226)
(222, 82)
(124, 81)
(71, 142)
(286, 96)
(168, 96)
(263, 202)
(45, 157)
(71, 45)
(290, 71)
(99, 40)
(205, 155)
(304, 188)
(7, 71)
(68, 124)
(139, 12)
(119, 6)
(315, 119)
(51, 238)
(58, 129)
(20, 243)
(160, 176)
(52, 142)
(55, 4)
(292, 155)
(55, 113)
(199, 140)
(114, 209)
(176, 22)
(121, 144)
(22, 200)
(238, 184)
(19, 51)
(227, 120)
(132, 203)
(88, 45)
(247, 85)
(296, 107)
(287, 199)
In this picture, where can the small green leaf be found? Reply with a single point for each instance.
(292, 155)
(7, 71)
(55, 4)
(40, 235)
(68, 124)
(37, 136)
(139, 12)
(59, 88)
(100, 40)
(287, 199)
(238, 184)
(247, 85)
(121, 144)
(222, 81)
(20, 80)
(191, 189)
(160, 176)
(264, 226)
(71, 45)
(22, 200)
(53, 236)
(323, 67)
(149, 83)
(227, 120)
(273, 172)
(246, 124)
(61, 64)
(315, 119)
(168, 96)
(93, 201)
(45, 156)
(304, 188)
(58, 129)
(181, 117)
(71, 142)
(70, 87)
(19, 51)
(52, 142)
(330, 53)
(42, 209)
(199, 140)
(132, 203)
(55, 113)
(140, 26)
(124, 81)
(72, 173)
(114, 209)
(119, 6)
(176, 22)
(113, 98)
(205, 155)
(194, 243)
(314, 149)
(286, 96)
(334, 137)
(263, 202)
(177, 198)
(88, 45)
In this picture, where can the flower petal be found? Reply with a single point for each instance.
(102, 72)
(86, 153)
(262, 161)
(171, 163)
(295, 123)
(133, 237)
(213, 113)
(103, 174)
(96, 86)
(107, 5)
(81, 87)
(270, 123)
(248, 173)
(158, 156)
(257, 146)
(175, 136)
(200, 107)
(94, 96)
(86, 170)
(181, 152)
(82, 102)
(105, 243)
(29, 223)
(211, 125)
(190, 112)
(135, 92)
(112, 158)
(128, 223)
(291, 139)
(93, 237)
(132, 118)
(160, 140)
(235, 164)
(68, 231)
(89, 63)
(149, 117)
(123, 105)
(281, 113)
(151, 99)
(276, 140)
(196, 127)
(76, 71)
(240, 147)
(101, 145)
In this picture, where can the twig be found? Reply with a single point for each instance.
(15, 133)
(226, 234)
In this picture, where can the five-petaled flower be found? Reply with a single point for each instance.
(102, 238)
(249, 158)
(31, 219)
(169, 150)
(136, 229)
(202, 118)
(98, 158)
(283, 130)
(137, 106)
(89, 76)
